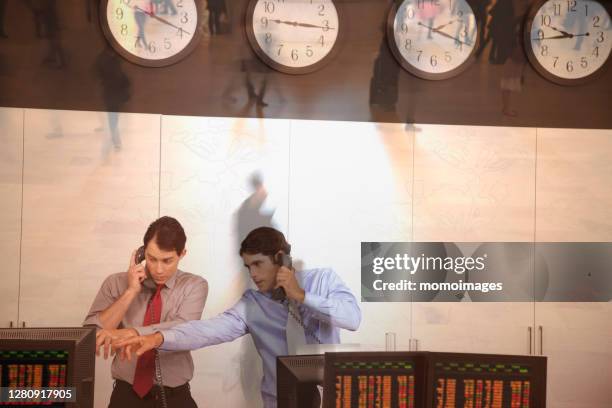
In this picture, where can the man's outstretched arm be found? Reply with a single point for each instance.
(191, 335)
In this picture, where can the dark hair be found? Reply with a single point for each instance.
(168, 233)
(266, 241)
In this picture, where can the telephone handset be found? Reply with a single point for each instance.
(281, 259)
(279, 295)
(139, 258)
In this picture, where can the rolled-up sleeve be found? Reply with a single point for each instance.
(338, 307)
(107, 295)
(196, 334)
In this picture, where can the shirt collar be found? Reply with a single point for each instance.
(172, 281)
(298, 276)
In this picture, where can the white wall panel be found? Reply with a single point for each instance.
(474, 184)
(86, 206)
(352, 182)
(574, 204)
(206, 171)
(11, 162)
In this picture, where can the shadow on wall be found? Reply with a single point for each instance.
(250, 215)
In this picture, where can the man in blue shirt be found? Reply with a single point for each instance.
(320, 304)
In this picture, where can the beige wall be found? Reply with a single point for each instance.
(11, 172)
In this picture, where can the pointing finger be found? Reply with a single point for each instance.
(107, 342)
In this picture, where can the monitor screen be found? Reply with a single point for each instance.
(377, 379)
(433, 380)
(487, 381)
(39, 358)
(33, 368)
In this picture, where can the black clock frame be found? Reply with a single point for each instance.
(188, 49)
(535, 7)
(414, 70)
(261, 54)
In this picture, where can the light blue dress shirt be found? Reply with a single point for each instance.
(328, 306)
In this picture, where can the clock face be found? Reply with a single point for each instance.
(151, 33)
(568, 40)
(293, 36)
(433, 39)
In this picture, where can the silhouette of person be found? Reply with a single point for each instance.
(2, 11)
(116, 90)
(251, 215)
(216, 9)
(251, 73)
(165, 7)
(512, 72)
(512, 80)
(46, 24)
(502, 37)
(251, 67)
(384, 83)
(481, 15)
(141, 18)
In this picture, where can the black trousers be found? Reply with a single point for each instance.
(123, 396)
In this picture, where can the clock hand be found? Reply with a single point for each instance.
(314, 26)
(444, 25)
(442, 33)
(570, 35)
(153, 15)
(556, 37)
(295, 23)
(566, 34)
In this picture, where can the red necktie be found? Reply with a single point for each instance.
(145, 367)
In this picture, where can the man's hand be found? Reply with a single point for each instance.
(136, 274)
(138, 345)
(105, 338)
(112, 316)
(286, 278)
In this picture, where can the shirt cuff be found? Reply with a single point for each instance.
(145, 330)
(169, 339)
(93, 320)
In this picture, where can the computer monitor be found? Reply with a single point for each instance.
(385, 379)
(486, 380)
(50, 358)
(431, 379)
(297, 378)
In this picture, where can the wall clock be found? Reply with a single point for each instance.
(568, 41)
(294, 36)
(151, 33)
(433, 39)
